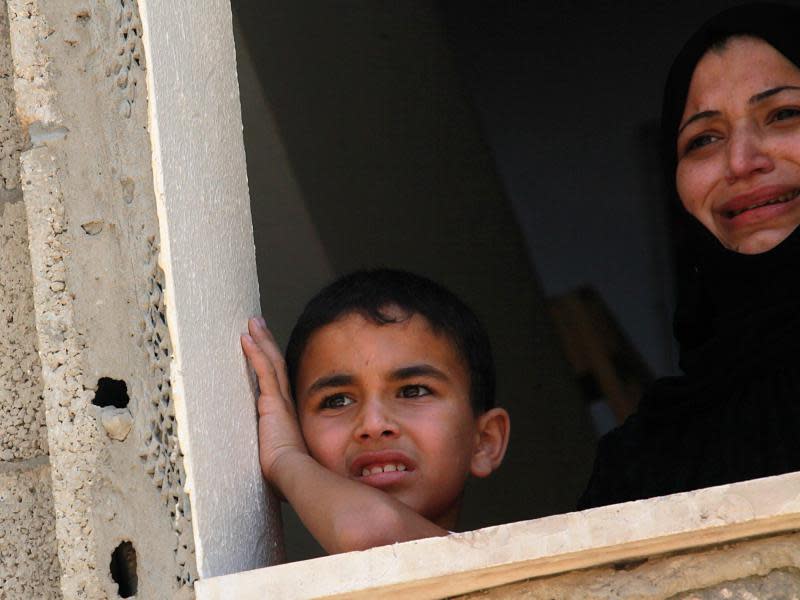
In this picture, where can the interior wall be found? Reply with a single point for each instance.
(383, 154)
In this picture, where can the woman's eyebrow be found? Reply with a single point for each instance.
(771, 92)
(696, 117)
(753, 100)
(421, 370)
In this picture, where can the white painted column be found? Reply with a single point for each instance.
(208, 259)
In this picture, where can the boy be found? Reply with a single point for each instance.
(393, 387)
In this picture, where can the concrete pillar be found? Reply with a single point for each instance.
(211, 284)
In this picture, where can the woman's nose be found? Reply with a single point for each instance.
(747, 154)
(375, 421)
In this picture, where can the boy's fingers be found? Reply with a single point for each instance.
(266, 342)
(279, 365)
(265, 372)
(261, 335)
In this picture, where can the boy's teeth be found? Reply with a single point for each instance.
(366, 471)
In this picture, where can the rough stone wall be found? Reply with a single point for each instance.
(115, 463)
(760, 569)
(22, 430)
(28, 563)
(780, 584)
(11, 137)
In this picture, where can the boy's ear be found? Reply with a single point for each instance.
(493, 427)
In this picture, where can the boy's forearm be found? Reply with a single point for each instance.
(345, 515)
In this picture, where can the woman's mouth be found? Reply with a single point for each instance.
(782, 199)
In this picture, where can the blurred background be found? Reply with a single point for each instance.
(505, 149)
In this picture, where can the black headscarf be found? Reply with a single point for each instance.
(711, 279)
(736, 413)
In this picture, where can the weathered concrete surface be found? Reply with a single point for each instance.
(764, 569)
(28, 563)
(79, 81)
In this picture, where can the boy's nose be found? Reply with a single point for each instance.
(376, 422)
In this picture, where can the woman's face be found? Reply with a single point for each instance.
(739, 145)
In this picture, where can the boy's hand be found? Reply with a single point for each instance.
(278, 430)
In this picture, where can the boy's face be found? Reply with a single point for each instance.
(389, 406)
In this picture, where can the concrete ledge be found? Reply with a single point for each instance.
(476, 560)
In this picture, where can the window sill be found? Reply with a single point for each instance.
(485, 558)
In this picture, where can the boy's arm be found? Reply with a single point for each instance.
(342, 514)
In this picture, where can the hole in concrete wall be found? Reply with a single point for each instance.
(123, 569)
(111, 392)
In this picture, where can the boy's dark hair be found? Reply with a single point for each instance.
(369, 292)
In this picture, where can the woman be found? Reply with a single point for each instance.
(731, 134)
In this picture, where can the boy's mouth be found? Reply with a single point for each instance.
(384, 462)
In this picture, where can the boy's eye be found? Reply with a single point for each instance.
(787, 112)
(336, 401)
(414, 391)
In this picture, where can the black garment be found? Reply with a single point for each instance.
(735, 414)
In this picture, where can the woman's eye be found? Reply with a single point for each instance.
(414, 391)
(336, 401)
(700, 141)
(785, 113)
